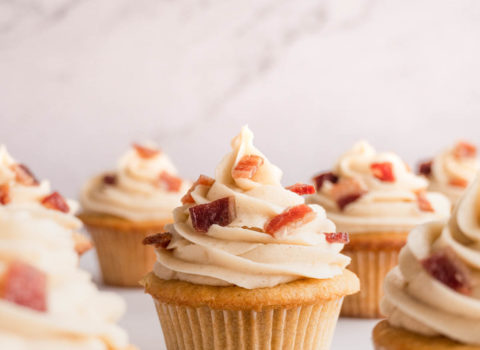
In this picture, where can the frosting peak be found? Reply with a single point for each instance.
(241, 252)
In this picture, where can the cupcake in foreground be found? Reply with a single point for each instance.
(378, 200)
(247, 264)
(452, 170)
(122, 207)
(21, 191)
(432, 299)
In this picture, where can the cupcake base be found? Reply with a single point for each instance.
(373, 256)
(386, 337)
(296, 315)
(123, 259)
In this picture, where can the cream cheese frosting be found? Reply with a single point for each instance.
(136, 194)
(451, 172)
(384, 205)
(417, 301)
(241, 253)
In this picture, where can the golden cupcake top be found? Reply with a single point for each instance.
(371, 191)
(244, 228)
(144, 187)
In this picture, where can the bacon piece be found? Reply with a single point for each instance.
(145, 152)
(301, 189)
(290, 217)
(23, 175)
(383, 171)
(464, 150)
(425, 168)
(5, 194)
(220, 212)
(423, 202)
(458, 182)
(25, 285)
(110, 179)
(320, 179)
(347, 191)
(445, 266)
(337, 237)
(202, 180)
(247, 167)
(56, 201)
(158, 240)
(170, 182)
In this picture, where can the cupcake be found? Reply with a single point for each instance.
(21, 191)
(247, 264)
(46, 302)
(122, 207)
(451, 171)
(432, 299)
(378, 200)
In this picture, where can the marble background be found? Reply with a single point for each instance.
(81, 79)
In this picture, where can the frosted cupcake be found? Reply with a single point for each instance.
(452, 170)
(432, 299)
(247, 263)
(378, 200)
(21, 191)
(46, 302)
(122, 207)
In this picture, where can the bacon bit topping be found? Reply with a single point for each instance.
(464, 150)
(56, 201)
(158, 240)
(5, 194)
(110, 179)
(347, 191)
(23, 175)
(289, 218)
(383, 171)
(423, 202)
(458, 182)
(202, 180)
(301, 189)
(145, 152)
(337, 237)
(170, 182)
(220, 212)
(320, 179)
(425, 168)
(445, 266)
(247, 167)
(25, 285)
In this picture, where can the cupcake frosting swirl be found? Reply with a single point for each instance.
(416, 300)
(388, 204)
(242, 253)
(135, 190)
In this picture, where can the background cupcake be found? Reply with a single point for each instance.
(432, 297)
(122, 207)
(377, 199)
(452, 170)
(248, 263)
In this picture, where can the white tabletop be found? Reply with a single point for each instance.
(144, 329)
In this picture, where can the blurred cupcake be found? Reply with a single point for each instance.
(451, 171)
(378, 200)
(21, 191)
(46, 302)
(247, 264)
(122, 207)
(432, 299)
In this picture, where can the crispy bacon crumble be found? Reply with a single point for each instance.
(145, 152)
(56, 201)
(319, 180)
(458, 182)
(290, 217)
(301, 189)
(5, 194)
(464, 150)
(202, 180)
(170, 182)
(110, 179)
(337, 237)
(383, 171)
(159, 240)
(425, 168)
(247, 167)
(23, 175)
(423, 202)
(221, 212)
(347, 191)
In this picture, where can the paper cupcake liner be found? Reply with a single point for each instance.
(371, 267)
(123, 259)
(304, 327)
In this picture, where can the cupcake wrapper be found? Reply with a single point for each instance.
(304, 327)
(371, 267)
(123, 259)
